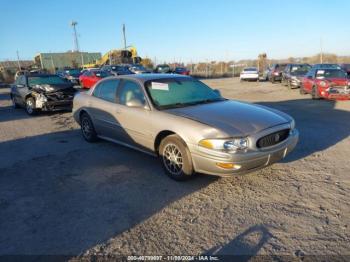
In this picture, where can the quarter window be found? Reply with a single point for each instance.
(107, 90)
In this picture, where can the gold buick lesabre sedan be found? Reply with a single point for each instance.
(188, 125)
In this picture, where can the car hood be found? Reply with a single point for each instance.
(233, 117)
(52, 88)
(338, 81)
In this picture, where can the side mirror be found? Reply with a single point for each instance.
(216, 91)
(135, 102)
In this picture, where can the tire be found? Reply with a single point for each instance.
(273, 80)
(172, 147)
(283, 82)
(14, 104)
(314, 93)
(301, 90)
(30, 106)
(87, 128)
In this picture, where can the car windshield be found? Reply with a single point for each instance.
(101, 74)
(172, 93)
(281, 67)
(46, 80)
(346, 67)
(299, 69)
(73, 72)
(330, 73)
(138, 67)
(250, 69)
(120, 69)
(163, 68)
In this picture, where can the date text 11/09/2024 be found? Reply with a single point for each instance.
(173, 258)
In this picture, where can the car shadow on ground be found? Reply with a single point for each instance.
(320, 124)
(67, 202)
(244, 246)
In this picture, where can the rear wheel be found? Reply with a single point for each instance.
(301, 90)
(30, 106)
(87, 128)
(175, 158)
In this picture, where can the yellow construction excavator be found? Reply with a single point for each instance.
(117, 56)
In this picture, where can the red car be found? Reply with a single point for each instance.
(90, 77)
(182, 71)
(328, 83)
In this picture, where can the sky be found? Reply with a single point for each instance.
(177, 30)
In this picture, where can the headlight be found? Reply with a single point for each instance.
(226, 145)
(292, 124)
(323, 83)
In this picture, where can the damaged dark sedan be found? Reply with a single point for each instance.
(42, 92)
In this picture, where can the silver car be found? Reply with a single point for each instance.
(185, 123)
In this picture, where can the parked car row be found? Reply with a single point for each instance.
(321, 81)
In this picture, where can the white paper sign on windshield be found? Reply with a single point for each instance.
(160, 86)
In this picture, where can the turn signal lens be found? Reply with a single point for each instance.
(228, 166)
(206, 143)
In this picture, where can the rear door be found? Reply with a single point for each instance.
(136, 122)
(102, 107)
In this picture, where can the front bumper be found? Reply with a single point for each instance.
(249, 77)
(58, 105)
(295, 83)
(249, 161)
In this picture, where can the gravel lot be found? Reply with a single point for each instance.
(61, 195)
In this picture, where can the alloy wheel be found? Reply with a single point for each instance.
(172, 159)
(30, 106)
(86, 128)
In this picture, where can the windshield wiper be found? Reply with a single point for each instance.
(178, 105)
(207, 101)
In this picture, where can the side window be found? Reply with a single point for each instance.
(107, 90)
(130, 91)
(22, 80)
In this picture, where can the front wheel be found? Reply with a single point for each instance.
(314, 93)
(301, 90)
(30, 106)
(176, 158)
(272, 80)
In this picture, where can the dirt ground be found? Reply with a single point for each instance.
(61, 195)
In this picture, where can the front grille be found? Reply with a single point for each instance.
(273, 139)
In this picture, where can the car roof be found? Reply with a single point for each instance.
(148, 77)
(40, 75)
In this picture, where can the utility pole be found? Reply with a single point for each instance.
(321, 55)
(124, 37)
(18, 62)
(75, 36)
(53, 65)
